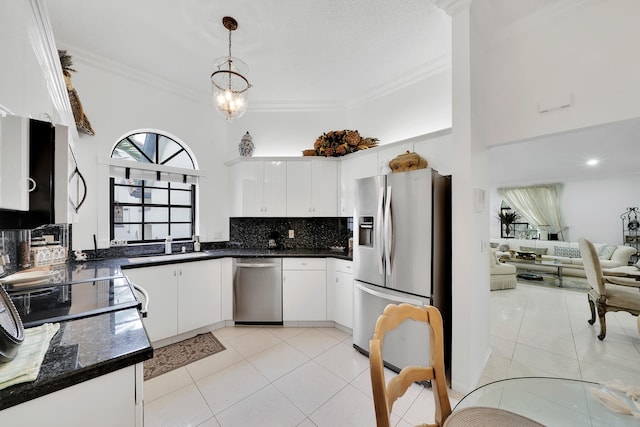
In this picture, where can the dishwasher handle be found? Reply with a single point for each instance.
(256, 265)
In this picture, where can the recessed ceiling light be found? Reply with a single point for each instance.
(592, 162)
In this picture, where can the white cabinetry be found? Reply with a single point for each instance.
(340, 291)
(182, 297)
(361, 165)
(258, 188)
(304, 289)
(14, 163)
(311, 187)
(344, 293)
(113, 399)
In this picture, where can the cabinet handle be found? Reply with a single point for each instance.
(174, 273)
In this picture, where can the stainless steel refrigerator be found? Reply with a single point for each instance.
(402, 254)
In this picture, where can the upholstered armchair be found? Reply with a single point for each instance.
(502, 276)
(607, 293)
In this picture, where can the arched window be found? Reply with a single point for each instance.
(153, 189)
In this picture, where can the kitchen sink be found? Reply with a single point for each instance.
(167, 257)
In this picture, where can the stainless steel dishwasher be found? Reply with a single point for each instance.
(257, 291)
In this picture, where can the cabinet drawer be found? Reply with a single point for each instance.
(304, 264)
(344, 266)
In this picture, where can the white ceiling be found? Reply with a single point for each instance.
(325, 54)
(302, 52)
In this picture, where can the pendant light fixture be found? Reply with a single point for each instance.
(229, 83)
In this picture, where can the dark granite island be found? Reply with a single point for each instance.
(91, 375)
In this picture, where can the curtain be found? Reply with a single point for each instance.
(537, 204)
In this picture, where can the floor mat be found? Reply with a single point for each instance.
(174, 356)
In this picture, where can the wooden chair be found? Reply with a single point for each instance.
(385, 395)
(607, 293)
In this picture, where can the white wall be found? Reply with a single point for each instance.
(285, 133)
(591, 208)
(417, 109)
(589, 52)
(116, 105)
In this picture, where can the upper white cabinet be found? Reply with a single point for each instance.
(258, 188)
(312, 188)
(14, 163)
(352, 167)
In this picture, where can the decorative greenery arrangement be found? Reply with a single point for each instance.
(507, 218)
(340, 142)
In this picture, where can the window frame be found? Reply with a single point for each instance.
(147, 159)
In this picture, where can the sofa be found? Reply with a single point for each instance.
(567, 253)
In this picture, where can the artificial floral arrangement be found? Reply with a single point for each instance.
(340, 142)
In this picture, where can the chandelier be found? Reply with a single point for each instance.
(229, 83)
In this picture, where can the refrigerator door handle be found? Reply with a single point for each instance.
(388, 232)
(396, 299)
(379, 244)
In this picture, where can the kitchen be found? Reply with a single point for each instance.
(289, 132)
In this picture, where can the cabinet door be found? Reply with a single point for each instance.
(162, 285)
(344, 299)
(106, 401)
(274, 189)
(198, 294)
(351, 168)
(324, 187)
(304, 295)
(14, 163)
(299, 188)
(332, 282)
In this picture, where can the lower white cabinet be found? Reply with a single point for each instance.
(344, 293)
(304, 289)
(113, 399)
(340, 291)
(182, 297)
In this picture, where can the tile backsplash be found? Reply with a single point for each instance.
(309, 233)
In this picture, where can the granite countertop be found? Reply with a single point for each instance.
(89, 347)
(84, 349)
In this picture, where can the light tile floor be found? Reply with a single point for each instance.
(314, 377)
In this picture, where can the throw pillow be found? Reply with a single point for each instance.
(494, 245)
(566, 251)
(504, 248)
(537, 251)
(606, 252)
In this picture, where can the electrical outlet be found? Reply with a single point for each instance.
(291, 234)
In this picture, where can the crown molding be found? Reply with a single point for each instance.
(452, 7)
(129, 73)
(433, 67)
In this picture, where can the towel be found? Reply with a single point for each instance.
(25, 366)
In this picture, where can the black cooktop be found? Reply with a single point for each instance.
(73, 300)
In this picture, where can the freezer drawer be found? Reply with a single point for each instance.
(257, 291)
(407, 345)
